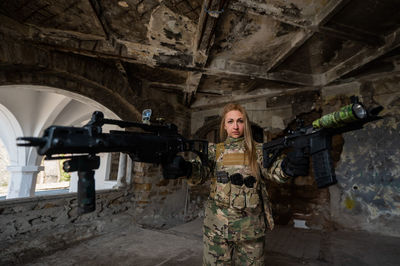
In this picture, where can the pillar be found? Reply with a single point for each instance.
(22, 181)
(121, 177)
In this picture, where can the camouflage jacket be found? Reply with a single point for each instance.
(235, 212)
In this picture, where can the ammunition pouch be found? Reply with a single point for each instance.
(222, 177)
(236, 179)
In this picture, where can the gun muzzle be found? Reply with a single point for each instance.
(30, 141)
(345, 115)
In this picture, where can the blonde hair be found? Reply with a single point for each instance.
(250, 147)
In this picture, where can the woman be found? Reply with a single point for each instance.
(238, 209)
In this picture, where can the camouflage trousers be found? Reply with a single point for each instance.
(219, 251)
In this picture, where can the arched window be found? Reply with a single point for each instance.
(41, 108)
(4, 174)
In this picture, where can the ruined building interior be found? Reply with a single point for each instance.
(184, 59)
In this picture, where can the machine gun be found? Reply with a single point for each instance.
(158, 144)
(316, 140)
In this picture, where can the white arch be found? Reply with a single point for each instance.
(27, 110)
(10, 129)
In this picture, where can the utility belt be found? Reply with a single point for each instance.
(235, 179)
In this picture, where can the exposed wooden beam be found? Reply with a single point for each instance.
(98, 16)
(97, 47)
(200, 25)
(319, 24)
(277, 13)
(307, 26)
(200, 56)
(212, 11)
(210, 15)
(170, 86)
(351, 33)
(134, 83)
(298, 40)
(192, 83)
(361, 58)
(331, 9)
(230, 67)
(241, 97)
(167, 87)
(267, 9)
(308, 29)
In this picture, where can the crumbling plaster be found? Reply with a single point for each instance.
(241, 34)
(166, 28)
(368, 171)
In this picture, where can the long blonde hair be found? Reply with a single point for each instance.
(250, 147)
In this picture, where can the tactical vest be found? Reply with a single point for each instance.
(224, 192)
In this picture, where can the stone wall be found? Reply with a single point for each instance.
(159, 202)
(32, 227)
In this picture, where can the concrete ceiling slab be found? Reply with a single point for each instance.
(199, 48)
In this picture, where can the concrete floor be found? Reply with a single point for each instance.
(182, 245)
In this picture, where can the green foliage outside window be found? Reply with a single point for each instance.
(64, 176)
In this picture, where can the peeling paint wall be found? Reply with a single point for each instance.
(170, 30)
(367, 196)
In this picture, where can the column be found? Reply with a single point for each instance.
(121, 177)
(22, 181)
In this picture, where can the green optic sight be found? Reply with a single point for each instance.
(346, 114)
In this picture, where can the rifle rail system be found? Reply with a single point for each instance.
(159, 143)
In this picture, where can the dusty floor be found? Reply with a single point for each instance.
(182, 245)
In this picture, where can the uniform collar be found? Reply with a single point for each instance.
(230, 140)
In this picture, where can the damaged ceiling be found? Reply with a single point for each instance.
(211, 51)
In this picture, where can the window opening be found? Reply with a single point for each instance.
(53, 179)
(4, 173)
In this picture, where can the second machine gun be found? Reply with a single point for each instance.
(158, 144)
(316, 140)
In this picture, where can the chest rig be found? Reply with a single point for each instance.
(232, 186)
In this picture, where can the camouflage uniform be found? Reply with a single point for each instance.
(235, 216)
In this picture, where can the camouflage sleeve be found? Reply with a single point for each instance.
(275, 172)
(200, 172)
